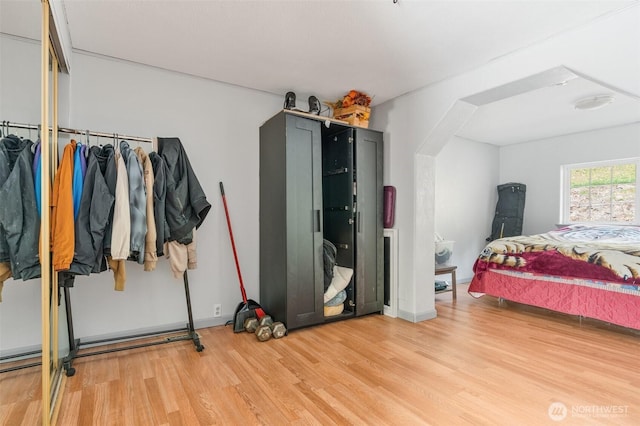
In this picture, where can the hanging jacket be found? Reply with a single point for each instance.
(186, 202)
(62, 226)
(77, 182)
(84, 153)
(5, 274)
(181, 257)
(19, 221)
(93, 215)
(159, 198)
(107, 158)
(137, 203)
(150, 255)
(121, 229)
(37, 174)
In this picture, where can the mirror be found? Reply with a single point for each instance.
(20, 309)
(30, 353)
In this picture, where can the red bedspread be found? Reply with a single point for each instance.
(593, 271)
(607, 302)
(599, 252)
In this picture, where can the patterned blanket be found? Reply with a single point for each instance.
(602, 252)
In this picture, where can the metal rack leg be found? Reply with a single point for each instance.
(192, 331)
(73, 343)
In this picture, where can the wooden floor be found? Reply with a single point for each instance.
(479, 362)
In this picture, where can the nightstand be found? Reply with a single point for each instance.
(446, 269)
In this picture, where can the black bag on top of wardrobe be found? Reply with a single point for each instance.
(509, 215)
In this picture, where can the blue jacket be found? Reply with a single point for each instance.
(78, 181)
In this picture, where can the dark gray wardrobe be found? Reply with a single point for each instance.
(319, 179)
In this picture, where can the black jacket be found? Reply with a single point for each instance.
(19, 219)
(159, 201)
(186, 202)
(107, 160)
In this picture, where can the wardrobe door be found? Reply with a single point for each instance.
(291, 273)
(369, 241)
(304, 223)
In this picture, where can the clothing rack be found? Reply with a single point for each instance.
(78, 132)
(74, 344)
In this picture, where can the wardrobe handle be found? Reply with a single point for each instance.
(358, 224)
(315, 221)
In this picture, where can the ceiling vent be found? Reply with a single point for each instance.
(594, 102)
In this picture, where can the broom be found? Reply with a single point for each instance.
(248, 308)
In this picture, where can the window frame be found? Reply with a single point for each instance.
(565, 192)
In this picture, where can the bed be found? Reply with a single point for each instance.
(587, 270)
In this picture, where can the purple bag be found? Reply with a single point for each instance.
(389, 206)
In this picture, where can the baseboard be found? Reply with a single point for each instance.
(22, 350)
(417, 317)
(389, 311)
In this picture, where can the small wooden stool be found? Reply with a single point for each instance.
(448, 270)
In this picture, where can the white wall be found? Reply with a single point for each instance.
(20, 316)
(544, 159)
(218, 126)
(607, 50)
(465, 199)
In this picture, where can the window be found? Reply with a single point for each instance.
(602, 192)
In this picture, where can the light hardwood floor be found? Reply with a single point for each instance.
(478, 363)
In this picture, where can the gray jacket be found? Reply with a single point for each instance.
(96, 205)
(137, 202)
(19, 220)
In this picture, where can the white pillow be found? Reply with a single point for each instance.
(341, 278)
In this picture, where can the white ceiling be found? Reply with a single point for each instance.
(549, 111)
(319, 47)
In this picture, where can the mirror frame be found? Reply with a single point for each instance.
(52, 377)
(44, 221)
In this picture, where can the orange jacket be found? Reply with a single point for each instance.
(62, 227)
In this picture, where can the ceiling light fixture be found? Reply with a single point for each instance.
(594, 102)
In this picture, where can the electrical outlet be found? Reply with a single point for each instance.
(217, 310)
